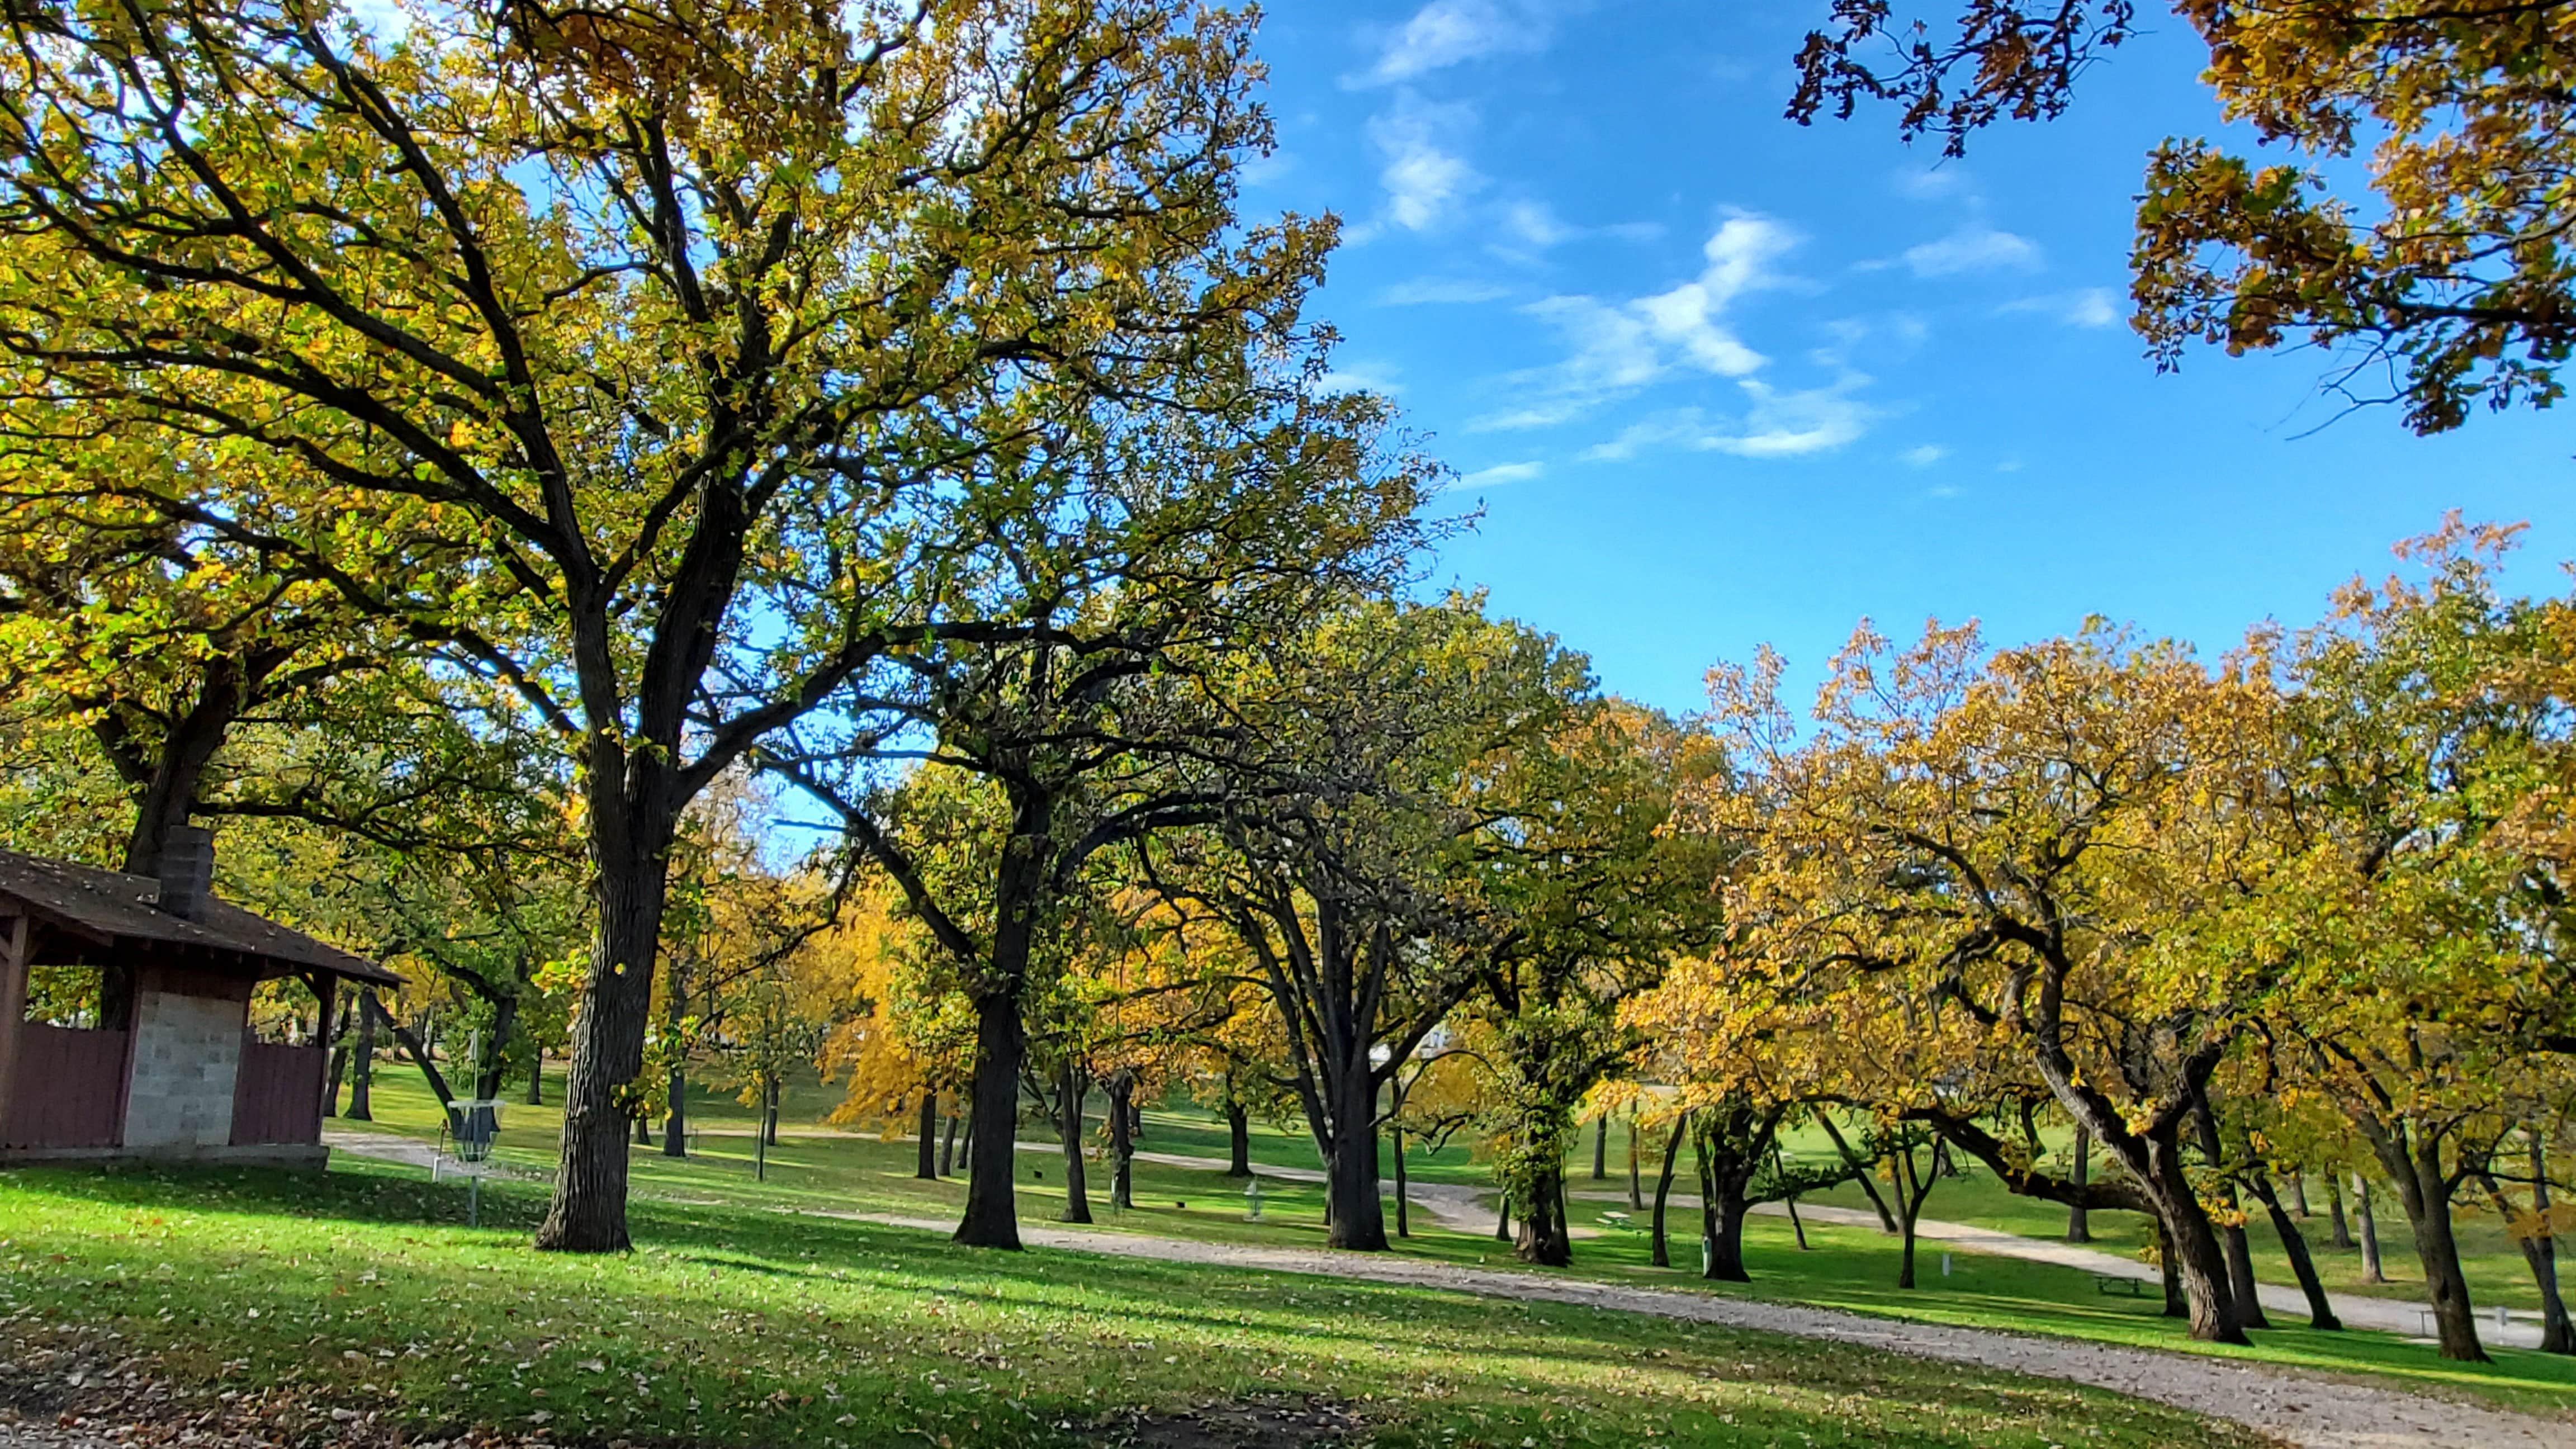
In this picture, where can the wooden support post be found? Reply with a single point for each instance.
(14, 935)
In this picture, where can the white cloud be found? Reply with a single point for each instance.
(1931, 183)
(1435, 291)
(2091, 307)
(1619, 347)
(1536, 223)
(1776, 425)
(1925, 456)
(1501, 473)
(1972, 248)
(1446, 32)
(1424, 175)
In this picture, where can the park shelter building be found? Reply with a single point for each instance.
(165, 1064)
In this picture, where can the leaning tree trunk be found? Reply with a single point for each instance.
(1664, 1187)
(1073, 1089)
(2199, 1263)
(2321, 1312)
(588, 1214)
(2339, 1232)
(1860, 1171)
(2539, 1254)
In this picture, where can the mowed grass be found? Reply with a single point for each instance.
(730, 1325)
(814, 1170)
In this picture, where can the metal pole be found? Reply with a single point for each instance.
(474, 1201)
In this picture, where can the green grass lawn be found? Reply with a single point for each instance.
(1847, 1268)
(360, 1291)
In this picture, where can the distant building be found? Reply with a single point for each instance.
(165, 1066)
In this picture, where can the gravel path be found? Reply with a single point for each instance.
(2301, 1409)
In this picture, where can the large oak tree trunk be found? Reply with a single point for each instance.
(1238, 1140)
(2200, 1265)
(588, 1214)
(1543, 1236)
(1358, 1217)
(991, 1218)
(2414, 1161)
(1721, 1219)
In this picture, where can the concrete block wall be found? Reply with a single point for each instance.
(187, 1052)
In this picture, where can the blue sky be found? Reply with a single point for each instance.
(1719, 380)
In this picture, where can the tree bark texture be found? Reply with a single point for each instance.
(1073, 1090)
(2372, 1270)
(2413, 1158)
(1122, 1140)
(2079, 1222)
(1543, 1237)
(362, 1060)
(630, 874)
(926, 1165)
(1238, 1140)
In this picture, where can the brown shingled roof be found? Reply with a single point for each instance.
(113, 906)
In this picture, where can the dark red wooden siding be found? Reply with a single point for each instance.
(70, 1088)
(277, 1097)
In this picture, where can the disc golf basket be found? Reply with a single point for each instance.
(471, 1127)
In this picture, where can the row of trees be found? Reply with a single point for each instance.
(530, 451)
(2296, 913)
